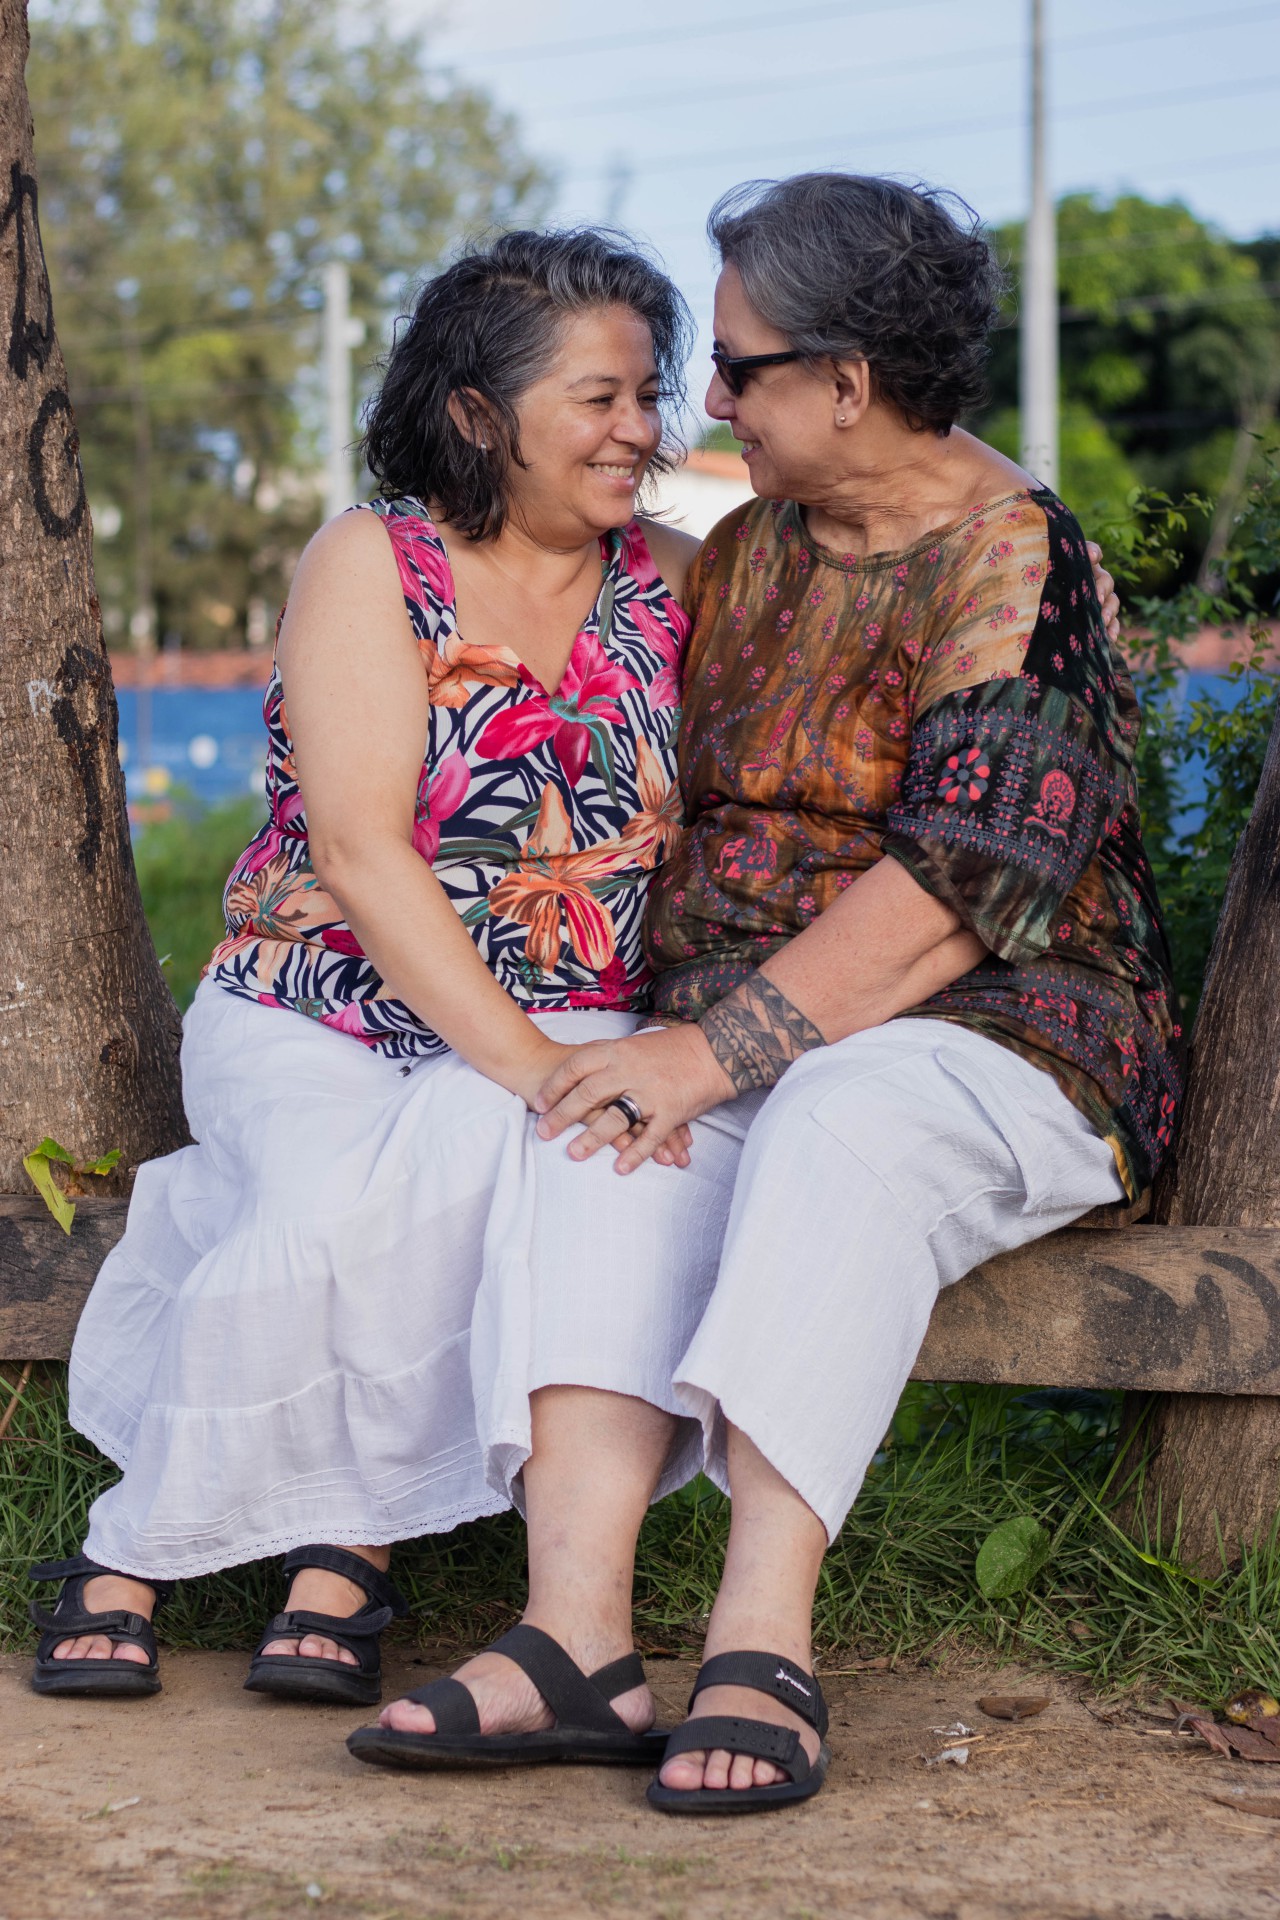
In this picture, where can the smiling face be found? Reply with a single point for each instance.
(588, 430)
(785, 416)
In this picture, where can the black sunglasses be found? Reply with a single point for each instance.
(734, 372)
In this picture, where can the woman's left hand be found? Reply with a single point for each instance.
(1105, 586)
(672, 1076)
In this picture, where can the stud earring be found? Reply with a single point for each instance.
(840, 418)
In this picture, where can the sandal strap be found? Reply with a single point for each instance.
(576, 1699)
(779, 1745)
(571, 1694)
(619, 1676)
(69, 1625)
(769, 1673)
(80, 1567)
(365, 1625)
(452, 1707)
(79, 1563)
(350, 1565)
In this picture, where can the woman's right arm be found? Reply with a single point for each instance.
(357, 701)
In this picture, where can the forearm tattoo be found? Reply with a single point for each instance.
(755, 1034)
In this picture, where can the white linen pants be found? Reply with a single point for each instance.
(877, 1171)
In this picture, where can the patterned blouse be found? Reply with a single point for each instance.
(542, 814)
(958, 707)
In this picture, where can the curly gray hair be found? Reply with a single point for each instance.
(850, 266)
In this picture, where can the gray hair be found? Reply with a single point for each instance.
(851, 266)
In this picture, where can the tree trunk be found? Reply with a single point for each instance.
(88, 1030)
(1216, 1461)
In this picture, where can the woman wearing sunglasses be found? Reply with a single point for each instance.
(908, 955)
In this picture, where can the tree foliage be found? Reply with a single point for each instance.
(200, 160)
(1200, 754)
(1170, 350)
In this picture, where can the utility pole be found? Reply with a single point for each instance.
(341, 334)
(1038, 340)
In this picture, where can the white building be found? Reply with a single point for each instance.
(702, 491)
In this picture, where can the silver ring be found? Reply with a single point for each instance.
(629, 1108)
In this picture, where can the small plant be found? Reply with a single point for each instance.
(40, 1162)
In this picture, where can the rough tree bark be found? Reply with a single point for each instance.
(88, 1027)
(1217, 1460)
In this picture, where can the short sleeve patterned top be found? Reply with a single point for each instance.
(542, 813)
(957, 707)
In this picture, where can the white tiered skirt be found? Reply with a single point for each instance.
(325, 1320)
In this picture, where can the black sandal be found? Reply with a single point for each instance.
(783, 1680)
(69, 1620)
(296, 1676)
(587, 1729)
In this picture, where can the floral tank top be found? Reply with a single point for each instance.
(542, 813)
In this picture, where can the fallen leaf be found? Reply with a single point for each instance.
(1240, 1741)
(1012, 1706)
(1207, 1729)
(1266, 1806)
(1252, 1746)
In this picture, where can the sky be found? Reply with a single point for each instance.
(646, 112)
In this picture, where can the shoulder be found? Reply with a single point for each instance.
(346, 583)
(356, 540)
(673, 552)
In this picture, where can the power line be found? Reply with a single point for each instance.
(962, 57)
(733, 25)
(955, 129)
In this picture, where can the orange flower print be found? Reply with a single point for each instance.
(277, 903)
(451, 667)
(552, 881)
(655, 831)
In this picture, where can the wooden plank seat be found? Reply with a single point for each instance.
(1155, 1308)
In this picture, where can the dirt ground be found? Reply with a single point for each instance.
(208, 1803)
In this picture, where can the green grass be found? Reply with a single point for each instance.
(183, 863)
(899, 1583)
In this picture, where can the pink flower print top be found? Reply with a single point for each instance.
(543, 815)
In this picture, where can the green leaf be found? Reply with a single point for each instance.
(37, 1165)
(1010, 1557)
(103, 1165)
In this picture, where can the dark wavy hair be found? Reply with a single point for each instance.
(491, 323)
(850, 266)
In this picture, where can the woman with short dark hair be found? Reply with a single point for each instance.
(909, 946)
(470, 776)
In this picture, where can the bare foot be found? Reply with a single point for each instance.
(689, 1771)
(507, 1700)
(109, 1593)
(314, 1590)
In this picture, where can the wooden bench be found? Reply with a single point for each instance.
(1159, 1309)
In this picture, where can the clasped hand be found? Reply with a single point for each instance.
(671, 1074)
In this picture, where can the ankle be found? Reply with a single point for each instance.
(591, 1642)
(316, 1590)
(118, 1593)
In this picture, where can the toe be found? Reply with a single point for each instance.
(716, 1773)
(742, 1771)
(406, 1716)
(280, 1646)
(684, 1774)
(130, 1650)
(314, 1646)
(764, 1774)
